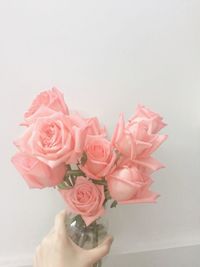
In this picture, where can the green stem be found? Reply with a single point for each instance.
(74, 173)
(69, 167)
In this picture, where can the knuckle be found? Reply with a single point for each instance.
(105, 250)
(45, 241)
(58, 236)
(59, 239)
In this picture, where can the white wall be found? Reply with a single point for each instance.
(106, 56)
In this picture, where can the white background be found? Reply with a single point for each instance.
(106, 56)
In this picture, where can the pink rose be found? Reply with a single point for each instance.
(136, 139)
(153, 120)
(100, 157)
(93, 125)
(86, 199)
(36, 173)
(145, 125)
(52, 99)
(128, 185)
(53, 139)
(123, 140)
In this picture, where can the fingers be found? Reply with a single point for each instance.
(35, 259)
(59, 225)
(35, 262)
(102, 250)
(51, 232)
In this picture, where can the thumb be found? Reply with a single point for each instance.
(59, 224)
(95, 254)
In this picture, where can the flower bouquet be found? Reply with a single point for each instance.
(71, 153)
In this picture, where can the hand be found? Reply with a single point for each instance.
(58, 250)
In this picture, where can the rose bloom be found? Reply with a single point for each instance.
(137, 140)
(145, 125)
(53, 139)
(86, 199)
(128, 185)
(101, 157)
(124, 140)
(52, 99)
(36, 173)
(93, 124)
(153, 120)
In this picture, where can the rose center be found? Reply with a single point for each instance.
(98, 151)
(49, 135)
(83, 196)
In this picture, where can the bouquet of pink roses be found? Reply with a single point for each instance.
(73, 154)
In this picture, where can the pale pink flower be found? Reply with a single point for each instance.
(100, 157)
(145, 125)
(52, 99)
(123, 140)
(53, 139)
(36, 173)
(128, 185)
(153, 120)
(86, 199)
(138, 139)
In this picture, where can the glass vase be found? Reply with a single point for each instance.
(87, 237)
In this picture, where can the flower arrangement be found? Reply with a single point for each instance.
(73, 154)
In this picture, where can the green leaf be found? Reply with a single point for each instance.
(100, 182)
(107, 195)
(83, 159)
(75, 173)
(68, 166)
(63, 185)
(68, 181)
(114, 204)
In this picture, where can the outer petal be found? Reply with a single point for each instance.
(150, 163)
(36, 173)
(98, 170)
(58, 103)
(144, 114)
(119, 130)
(79, 137)
(90, 219)
(156, 143)
(52, 99)
(141, 147)
(94, 127)
(43, 111)
(22, 143)
(144, 196)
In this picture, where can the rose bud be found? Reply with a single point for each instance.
(128, 185)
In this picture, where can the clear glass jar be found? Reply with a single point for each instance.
(87, 237)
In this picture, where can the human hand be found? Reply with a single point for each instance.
(58, 250)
